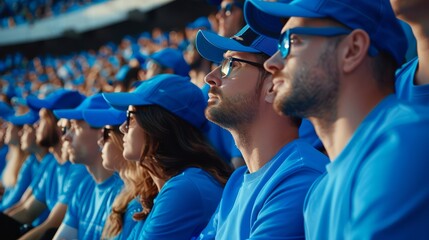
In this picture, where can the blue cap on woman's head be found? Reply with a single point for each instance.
(59, 99)
(102, 117)
(375, 17)
(172, 58)
(94, 102)
(212, 46)
(29, 118)
(174, 93)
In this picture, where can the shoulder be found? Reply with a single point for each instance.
(301, 156)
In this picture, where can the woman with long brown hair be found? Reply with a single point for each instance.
(164, 134)
(121, 220)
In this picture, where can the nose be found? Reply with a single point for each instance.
(123, 128)
(100, 142)
(213, 77)
(274, 64)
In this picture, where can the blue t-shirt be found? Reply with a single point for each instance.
(3, 152)
(377, 187)
(26, 173)
(267, 204)
(91, 205)
(405, 88)
(129, 223)
(182, 208)
(58, 183)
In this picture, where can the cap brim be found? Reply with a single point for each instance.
(121, 100)
(212, 46)
(265, 17)
(28, 118)
(36, 104)
(69, 114)
(100, 118)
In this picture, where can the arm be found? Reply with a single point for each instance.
(65, 232)
(27, 194)
(29, 211)
(53, 221)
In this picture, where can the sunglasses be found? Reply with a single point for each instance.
(129, 112)
(226, 65)
(106, 131)
(285, 38)
(64, 130)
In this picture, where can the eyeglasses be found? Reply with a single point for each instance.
(106, 131)
(127, 126)
(64, 130)
(226, 65)
(285, 40)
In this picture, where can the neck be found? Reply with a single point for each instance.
(40, 153)
(97, 171)
(421, 32)
(335, 133)
(56, 151)
(263, 139)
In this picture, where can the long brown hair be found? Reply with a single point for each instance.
(133, 177)
(172, 145)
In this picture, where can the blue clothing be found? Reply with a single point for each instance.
(58, 183)
(26, 173)
(3, 152)
(91, 205)
(267, 204)
(129, 223)
(405, 88)
(376, 187)
(182, 208)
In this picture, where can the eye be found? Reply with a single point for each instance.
(294, 39)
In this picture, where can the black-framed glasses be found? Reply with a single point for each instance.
(285, 40)
(129, 112)
(226, 65)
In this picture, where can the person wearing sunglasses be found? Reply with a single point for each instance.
(125, 207)
(342, 77)
(264, 198)
(412, 80)
(230, 17)
(91, 202)
(164, 134)
(43, 205)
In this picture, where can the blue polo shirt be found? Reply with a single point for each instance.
(182, 208)
(267, 204)
(405, 88)
(91, 205)
(377, 187)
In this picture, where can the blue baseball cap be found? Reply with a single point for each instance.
(172, 58)
(212, 46)
(101, 117)
(6, 110)
(174, 93)
(29, 118)
(200, 23)
(376, 17)
(95, 101)
(59, 99)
